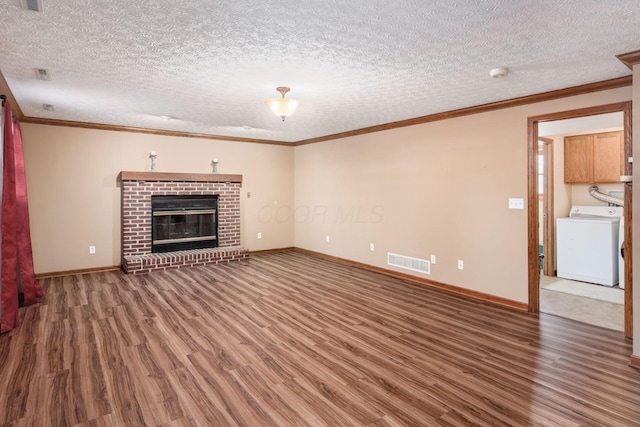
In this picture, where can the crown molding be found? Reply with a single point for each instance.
(509, 103)
(493, 106)
(630, 58)
(116, 128)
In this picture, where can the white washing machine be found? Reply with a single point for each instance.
(588, 244)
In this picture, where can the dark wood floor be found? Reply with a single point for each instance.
(289, 339)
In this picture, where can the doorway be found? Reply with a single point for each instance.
(571, 294)
(541, 210)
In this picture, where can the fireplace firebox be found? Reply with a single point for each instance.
(183, 222)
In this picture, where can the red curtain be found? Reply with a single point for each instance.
(17, 274)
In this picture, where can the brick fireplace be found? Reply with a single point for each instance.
(137, 190)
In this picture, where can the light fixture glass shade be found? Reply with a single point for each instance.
(282, 107)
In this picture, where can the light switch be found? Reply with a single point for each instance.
(516, 203)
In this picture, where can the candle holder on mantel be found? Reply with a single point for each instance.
(153, 156)
(214, 164)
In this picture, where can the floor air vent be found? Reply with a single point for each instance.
(415, 264)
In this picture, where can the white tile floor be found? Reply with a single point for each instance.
(586, 308)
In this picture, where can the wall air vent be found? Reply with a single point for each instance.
(42, 74)
(408, 263)
(34, 5)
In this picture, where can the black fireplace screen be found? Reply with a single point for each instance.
(184, 222)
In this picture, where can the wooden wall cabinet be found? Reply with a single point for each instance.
(594, 159)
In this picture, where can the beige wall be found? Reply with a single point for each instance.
(439, 189)
(580, 194)
(74, 196)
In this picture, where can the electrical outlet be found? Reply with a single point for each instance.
(460, 264)
(92, 250)
(372, 247)
(259, 236)
(327, 238)
(433, 259)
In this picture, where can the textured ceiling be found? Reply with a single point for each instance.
(353, 64)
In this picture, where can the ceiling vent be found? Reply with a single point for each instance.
(34, 5)
(42, 74)
(48, 107)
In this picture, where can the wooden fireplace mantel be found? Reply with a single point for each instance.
(178, 177)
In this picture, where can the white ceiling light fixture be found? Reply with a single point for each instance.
(499, 72)
(282, 107)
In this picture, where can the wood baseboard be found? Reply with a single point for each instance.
(480, 296)
(271, 251)
(117, 267)
(634, 362)
(79, 271)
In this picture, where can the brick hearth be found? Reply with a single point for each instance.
(137, 189)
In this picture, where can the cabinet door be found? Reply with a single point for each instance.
(578, 159)
(608, 156)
